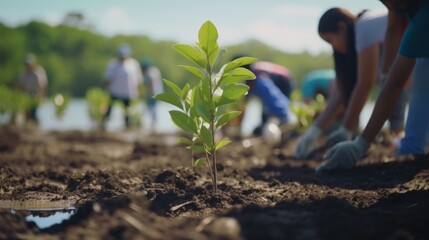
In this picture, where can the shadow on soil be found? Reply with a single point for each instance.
(367, 177)
(332, 218)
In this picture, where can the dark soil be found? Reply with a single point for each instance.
(133, 186)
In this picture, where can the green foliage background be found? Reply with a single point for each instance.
(75, 58)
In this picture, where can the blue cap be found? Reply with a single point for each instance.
(124, 50)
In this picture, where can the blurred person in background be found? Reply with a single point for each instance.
(412, 58)
(123, 77)
(152, 86)
(321, 82)
(317, 82)
(34, 82)
(357, 43)
(272, 86)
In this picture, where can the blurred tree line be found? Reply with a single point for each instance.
(75, 56)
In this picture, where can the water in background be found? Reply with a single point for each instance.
(77, 118)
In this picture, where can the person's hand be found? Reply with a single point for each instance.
(271, 133)
(307, 142)
(344, 155)
(339, 135)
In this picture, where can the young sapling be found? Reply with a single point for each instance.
(203, 108)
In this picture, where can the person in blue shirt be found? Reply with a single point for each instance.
(412, 58)
(272, 86)
(274, 102)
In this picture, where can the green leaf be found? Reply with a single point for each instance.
(239, 62)
(185, 91)
(207, 37)
(230, 79)
(197, 148)
(213, 55)
(207, 136)
(232, 93)
(226, 118)
(243, 72)
(199, 162)
(222, 143)
(235, 91)
(170, 98)
(191, 53)
(236, 75)
(202, 112)
(196, 71)
(184, 141)
(183, 121)
(173, 87)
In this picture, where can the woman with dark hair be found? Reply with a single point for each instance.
(412, 57)
(357, 43)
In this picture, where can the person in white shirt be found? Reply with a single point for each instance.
(358, 46)
(123, 77)
(33, 82)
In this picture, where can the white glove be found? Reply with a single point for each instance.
(344, 155)
(307, 142)
(271, 133)
(339, 135)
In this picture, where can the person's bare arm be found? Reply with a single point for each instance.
(398, 76)
(393, 36)
(334, 108)
(368, 60)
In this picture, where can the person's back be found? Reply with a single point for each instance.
(124, 76)
(275, 103)
(317, 81)
(280, 75)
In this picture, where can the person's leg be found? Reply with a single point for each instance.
(126, 103)
(418, 113)
(33, 114)
(264, 117)
(151, 104)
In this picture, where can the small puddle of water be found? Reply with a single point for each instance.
(43, 213)
(45, 218)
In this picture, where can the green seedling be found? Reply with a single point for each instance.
(14, 101)
(134, 113)
(202, 109)
(305, 112)
(61, 102)
(98, 103)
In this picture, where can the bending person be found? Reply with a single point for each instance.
(412, 57)
(357, 45)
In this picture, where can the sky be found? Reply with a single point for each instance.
(288, 25)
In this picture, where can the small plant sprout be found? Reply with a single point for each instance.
(203, 108)
(61, 103)
(305, 112)
(98, 103)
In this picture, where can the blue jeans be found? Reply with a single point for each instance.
(416, 129)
